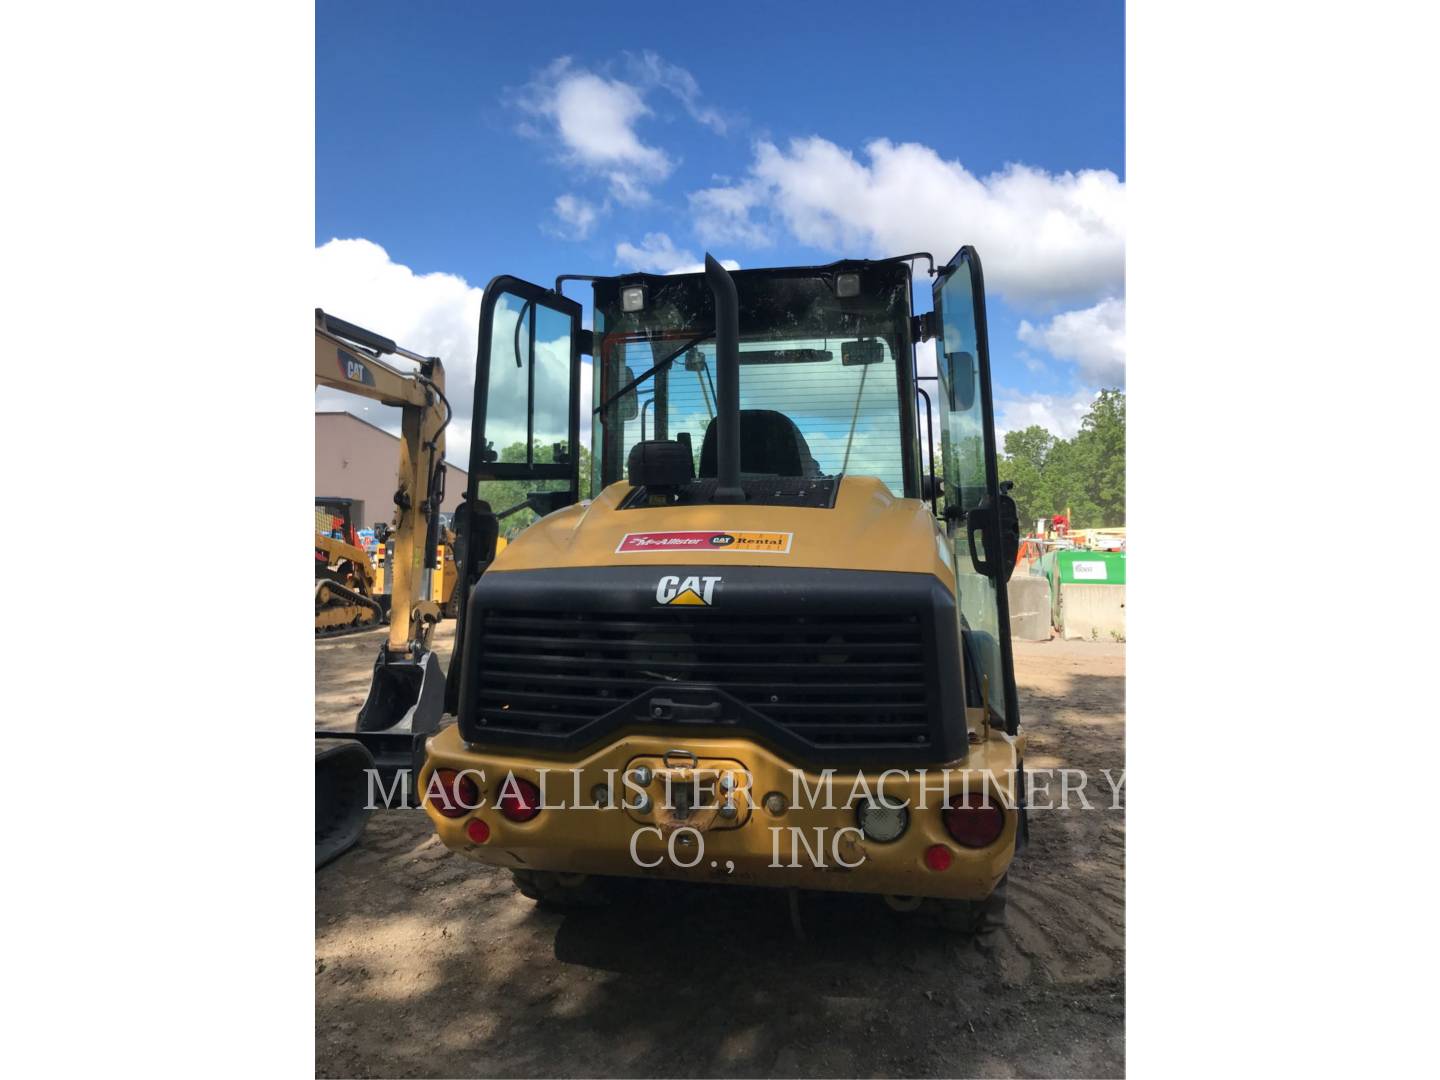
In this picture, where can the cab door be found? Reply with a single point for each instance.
(525, 428)
(978, 530)
(526, 424)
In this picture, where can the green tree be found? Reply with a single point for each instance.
(1084, 475)
(1102, 434)
(1067, 485)
(1023, 463)
(1088, 471)
(503, 494)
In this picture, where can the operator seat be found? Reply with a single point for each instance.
(770, 443)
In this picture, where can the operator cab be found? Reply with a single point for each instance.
(821, 393)
(338, 518)
(816, 367)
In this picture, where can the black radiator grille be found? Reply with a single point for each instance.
(831, 680)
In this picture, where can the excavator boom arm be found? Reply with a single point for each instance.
(346, 359)
(407, 688)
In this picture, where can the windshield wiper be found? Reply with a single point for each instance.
(633, 383)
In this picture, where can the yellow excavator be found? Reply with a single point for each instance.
(407, 687)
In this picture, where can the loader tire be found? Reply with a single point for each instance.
(560, 892)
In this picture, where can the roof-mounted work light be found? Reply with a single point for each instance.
(632, 298)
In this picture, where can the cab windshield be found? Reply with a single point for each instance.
(823, 376)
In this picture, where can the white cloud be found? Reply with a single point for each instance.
(627, 189)
(657, 254)
(577, 215)
(1045, 239)
(652, 70)
(1093, 339)
(432, 314)
(1060, 414)
(925, 358)
(722, 215)
(1033, 364)
(595, 119)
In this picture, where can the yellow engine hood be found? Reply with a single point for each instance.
(867, 529)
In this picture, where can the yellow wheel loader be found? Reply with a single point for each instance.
(407, 685)
(771, 650)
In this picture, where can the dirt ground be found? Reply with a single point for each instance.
(429, 965)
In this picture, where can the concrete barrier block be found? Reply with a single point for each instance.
(1029, 596)
(1092, 612)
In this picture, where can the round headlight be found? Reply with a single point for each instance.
(882, 823)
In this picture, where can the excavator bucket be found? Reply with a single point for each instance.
(342, 769)
(406, 694)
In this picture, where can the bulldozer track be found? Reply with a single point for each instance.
(344, 596)
(346, 631)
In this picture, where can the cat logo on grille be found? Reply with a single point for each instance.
(697, 591)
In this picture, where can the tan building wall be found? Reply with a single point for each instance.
(355, 459)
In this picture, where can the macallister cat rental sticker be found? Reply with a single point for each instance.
(772, 543)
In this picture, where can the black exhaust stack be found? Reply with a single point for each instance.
(727, 383)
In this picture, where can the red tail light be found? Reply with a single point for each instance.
(452, 793)
(518, 799)
(971, 823)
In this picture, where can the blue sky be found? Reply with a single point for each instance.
(467, 140)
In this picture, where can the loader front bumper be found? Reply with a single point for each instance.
(783, 825)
